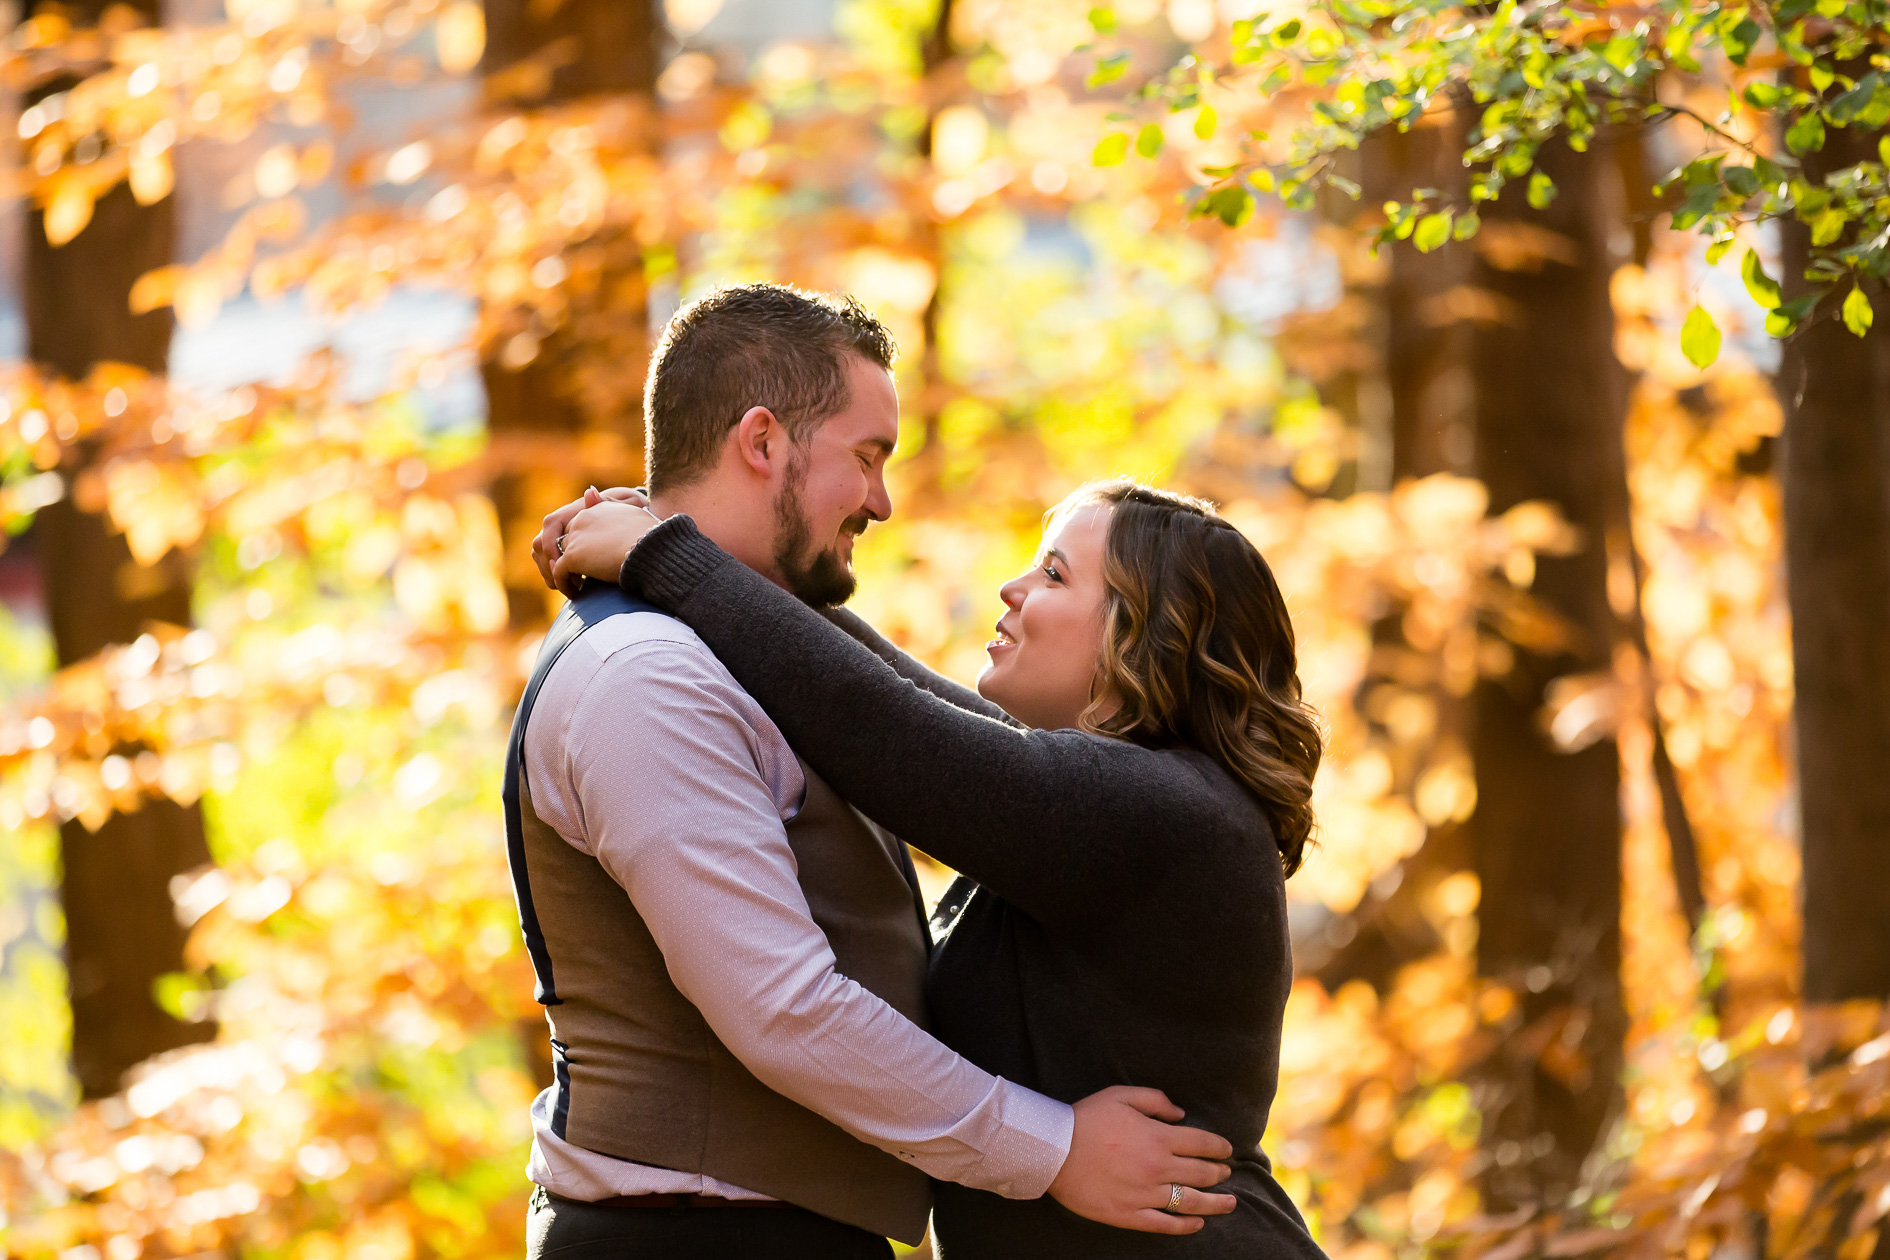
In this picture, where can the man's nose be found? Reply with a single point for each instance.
(878, 503)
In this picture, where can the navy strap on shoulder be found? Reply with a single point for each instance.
(596, 602)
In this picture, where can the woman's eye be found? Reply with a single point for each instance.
(1050, 571)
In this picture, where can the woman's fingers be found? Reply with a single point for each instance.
(627, 494)
(545, 545)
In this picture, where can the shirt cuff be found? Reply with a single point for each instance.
(1012, 1144)
(1034, 1144)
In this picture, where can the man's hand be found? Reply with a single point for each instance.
(545, 545)
(1125, 1162)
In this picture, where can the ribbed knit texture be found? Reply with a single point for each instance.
(1128, 924)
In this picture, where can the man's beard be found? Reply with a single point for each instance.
(822, 579)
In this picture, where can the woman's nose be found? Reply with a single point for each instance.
(1012, 593)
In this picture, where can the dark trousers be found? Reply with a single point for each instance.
(569, 1230)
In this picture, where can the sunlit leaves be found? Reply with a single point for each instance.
(68, 210)
(1109, 69)
(1148, 141)
(1431, 231)
(1530, 73)
(1762, 287)
(1699, 338)
(1857, 313)
(1231, 204)
(1111, 149)
(1806, 135)
(461, 36)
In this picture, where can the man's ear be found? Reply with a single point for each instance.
(761, 441)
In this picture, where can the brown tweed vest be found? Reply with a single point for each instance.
(639, 1074)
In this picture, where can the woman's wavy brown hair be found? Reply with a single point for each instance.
(1198, 650)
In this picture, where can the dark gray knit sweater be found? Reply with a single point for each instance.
(1123, 916)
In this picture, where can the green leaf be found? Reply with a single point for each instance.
(1699, 338)
(1763, 95)
(1847, 107)
(1782, 321)
(1827, 225)
(1148, 141)
(1104, 20)
(1883, 150)
(1109, 69)
(1287, 31)
(1857, 312)
(1111, 149)
(1233, 204)
(1763, 288)
(1542, 190)
(1822, 76)
(1741, 180)
(1466, 226)
(1717, 250)
(1205, 122)
(1739, 40)
(1432, 230)
(1807, 134)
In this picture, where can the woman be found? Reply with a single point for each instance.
(1125, 794)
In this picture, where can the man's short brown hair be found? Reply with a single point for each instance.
(750, 345)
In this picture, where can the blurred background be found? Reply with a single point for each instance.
(311, 310)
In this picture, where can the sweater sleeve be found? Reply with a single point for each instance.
(910, 669)
(1059, 823)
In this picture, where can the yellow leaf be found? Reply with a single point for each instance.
(67, 213)
(151, 177)
(460, 36)
(155, 289)
(198, 298)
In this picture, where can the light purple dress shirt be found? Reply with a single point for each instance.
(644, 752)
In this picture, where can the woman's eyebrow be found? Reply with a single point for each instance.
(1052, 552)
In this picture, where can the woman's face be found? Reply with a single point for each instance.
(1049, 641)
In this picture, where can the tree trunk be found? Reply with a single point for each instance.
(1546, 837)
(1426, 341)
(602, 47)
(1426, 347)
(1836, 454)
(121, 931)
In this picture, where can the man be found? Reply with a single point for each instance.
(732, 959)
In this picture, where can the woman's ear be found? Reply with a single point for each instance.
(760, 440)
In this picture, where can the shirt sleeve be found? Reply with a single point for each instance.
(666, 773)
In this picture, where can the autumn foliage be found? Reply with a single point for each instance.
(1077, 236)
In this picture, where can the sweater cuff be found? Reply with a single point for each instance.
(669, 562)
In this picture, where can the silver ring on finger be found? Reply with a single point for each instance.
(560, 544)
(1174, 1197)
